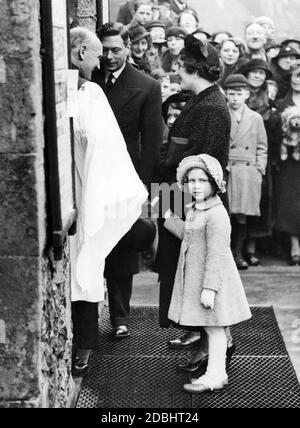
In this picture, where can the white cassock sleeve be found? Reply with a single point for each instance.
(109, 192)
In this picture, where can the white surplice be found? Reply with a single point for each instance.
(109, 193)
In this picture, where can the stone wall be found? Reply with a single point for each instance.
(83, 13)
(35, 325)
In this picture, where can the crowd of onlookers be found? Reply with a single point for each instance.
(157, 31)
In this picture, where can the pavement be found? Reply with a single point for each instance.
(274, 284)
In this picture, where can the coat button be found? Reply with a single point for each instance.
(248, 164)
(247, 148)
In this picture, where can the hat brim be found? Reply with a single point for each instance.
(269, 74)
(140, 37)
(275, 60)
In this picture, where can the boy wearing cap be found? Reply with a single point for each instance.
(175, 42)
(247, 161)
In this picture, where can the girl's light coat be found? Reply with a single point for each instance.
(206, 262)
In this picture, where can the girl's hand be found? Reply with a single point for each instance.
(208, 298)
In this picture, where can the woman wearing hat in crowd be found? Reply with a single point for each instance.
(140, 45)
(287, 188)
(175, 43)
(208, 293)
(231, 50)
(282, 67)
(292, 43)
(258, 73)
(204, 124)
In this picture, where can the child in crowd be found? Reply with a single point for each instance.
(175, 42)
(247, 161)
(208, 291)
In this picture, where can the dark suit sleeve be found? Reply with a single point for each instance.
(151, 132)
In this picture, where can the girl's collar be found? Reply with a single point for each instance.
(206, 205)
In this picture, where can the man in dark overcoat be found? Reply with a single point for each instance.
(136, 102)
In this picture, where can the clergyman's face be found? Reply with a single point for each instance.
(115, 52)
(91, 59)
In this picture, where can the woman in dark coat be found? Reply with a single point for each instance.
(257, 71)
(287, 182)
(204, 124)
(282, 66)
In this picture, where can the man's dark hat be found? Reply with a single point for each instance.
(137, 32)
(205, 52)
(254, 64)
(140, 237)
(236, 81)
(180, 97)
(286, 51)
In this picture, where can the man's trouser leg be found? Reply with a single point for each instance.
(119, 294)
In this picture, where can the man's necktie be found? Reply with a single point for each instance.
(110, 82)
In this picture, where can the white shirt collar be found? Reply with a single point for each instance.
(116, 74)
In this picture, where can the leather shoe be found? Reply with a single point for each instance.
(241, 264)
(295, 261)
(121, 331)
(191, 367)
(253, 260)
(79, 369)
(200, 366)
(186, 340)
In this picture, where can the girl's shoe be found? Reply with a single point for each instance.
(205, 384)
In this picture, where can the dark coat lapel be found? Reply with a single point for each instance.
(123, 90)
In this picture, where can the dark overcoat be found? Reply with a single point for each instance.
(136, 102)
(126, 12)
(205, 122)
(287, 189)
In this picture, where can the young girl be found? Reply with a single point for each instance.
(208, 291)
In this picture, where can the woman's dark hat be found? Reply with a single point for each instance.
(255, 64)
(176, 32)
(180, 97)
(137, 32)
(287, 41)
(236, 81)
(200, 30)
(205, 52)
(286, 51)
(140, 237)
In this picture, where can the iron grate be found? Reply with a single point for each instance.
(139, 372)
(259, 336)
